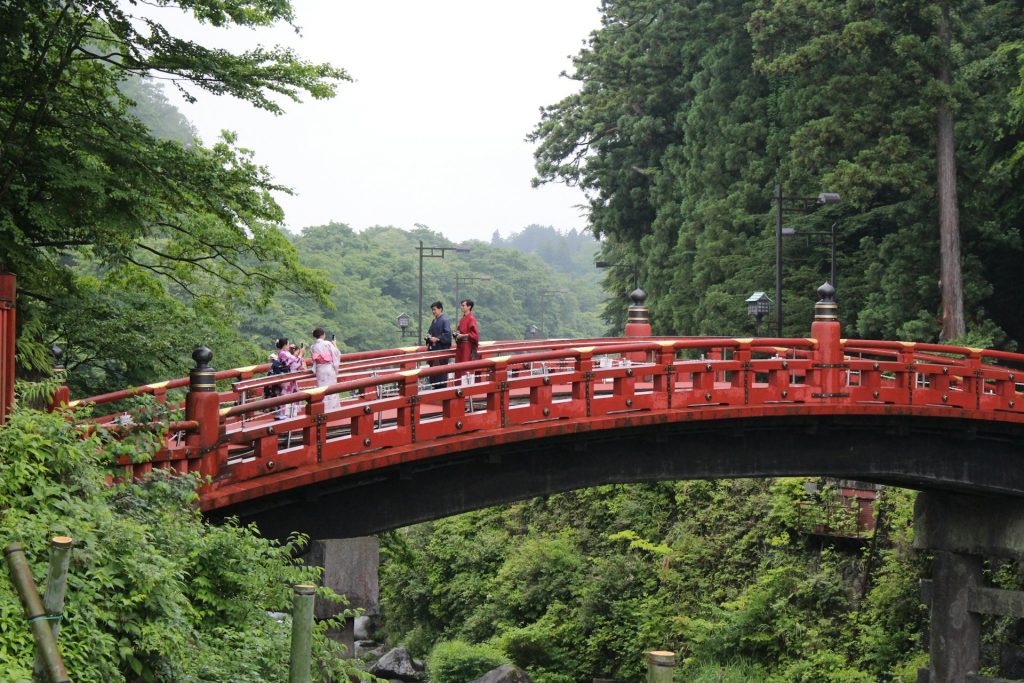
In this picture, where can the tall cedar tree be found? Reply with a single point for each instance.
(83, 182)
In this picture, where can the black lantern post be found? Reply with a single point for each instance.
(403, 322)
(758, 306)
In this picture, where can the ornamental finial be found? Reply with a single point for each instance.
(826, 310)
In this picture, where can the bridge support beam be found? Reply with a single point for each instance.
(961, 531)
(351, 569)
(8, 298)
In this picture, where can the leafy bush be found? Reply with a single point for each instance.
(154, 593)
(739, 671)
(456, 661)
(579, 585)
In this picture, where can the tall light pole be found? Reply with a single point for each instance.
(465, 280)
(429, 252)
(802, 204)
(630, 266)
(543, 294)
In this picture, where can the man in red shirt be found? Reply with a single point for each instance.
(468, 335)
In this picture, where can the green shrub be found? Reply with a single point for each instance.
(823, 666)
(154, 593)
(739, 671)
(456, 661)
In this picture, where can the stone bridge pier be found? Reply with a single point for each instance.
(350, 567)
(961, 531)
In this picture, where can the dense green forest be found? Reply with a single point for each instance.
(690, 112)
(133, 242)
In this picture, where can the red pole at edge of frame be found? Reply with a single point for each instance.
(8, 298)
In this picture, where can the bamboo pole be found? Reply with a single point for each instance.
(53, 595)
(302, 633)
(660, 666)
(21, 577)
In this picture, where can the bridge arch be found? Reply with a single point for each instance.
(925, 453)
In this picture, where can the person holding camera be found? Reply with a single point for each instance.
(326, 357)
(468, 337)
(439, 338)
(290, 356)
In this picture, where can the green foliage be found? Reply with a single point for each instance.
(154, 593)
(455, 661)
(731, 672)
(375, 275)
(114, 226)
(579, 585)
(689, 113)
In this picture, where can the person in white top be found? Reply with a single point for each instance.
(325, 356)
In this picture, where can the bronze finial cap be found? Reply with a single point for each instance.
(202, 376)
(826, 310)
(202, 356)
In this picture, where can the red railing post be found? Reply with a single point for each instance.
(743, 355)
(498, 400)
(829, 368)
(583, 390)
(202, 404)
(408, 414)
(664, 375)
(8, 298)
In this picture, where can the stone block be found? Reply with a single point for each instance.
(988, 526)
(350, 568)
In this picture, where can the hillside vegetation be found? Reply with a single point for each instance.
(579, 585)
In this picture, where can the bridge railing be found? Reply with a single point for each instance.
(388, 406)
(522, 389)
(932, 374)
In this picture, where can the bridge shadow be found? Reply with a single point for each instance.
(945, 454)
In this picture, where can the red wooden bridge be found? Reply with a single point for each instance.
(535, 417)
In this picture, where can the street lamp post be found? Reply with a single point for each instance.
(802, 204)
(630, 266)
(465, 280)
(543, 294)
(430, 252)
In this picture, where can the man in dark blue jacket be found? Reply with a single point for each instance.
(439, 338)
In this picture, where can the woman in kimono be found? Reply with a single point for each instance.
(326, 356)
(291, 358)
(467, 338)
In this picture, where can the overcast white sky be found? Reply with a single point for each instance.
(432, 129)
